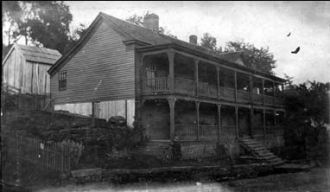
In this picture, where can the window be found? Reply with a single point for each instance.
(62, 80)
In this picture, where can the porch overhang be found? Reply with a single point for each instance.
(208, 55)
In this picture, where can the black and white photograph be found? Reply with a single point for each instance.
(171, 96)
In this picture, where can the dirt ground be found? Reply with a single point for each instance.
(318, 179)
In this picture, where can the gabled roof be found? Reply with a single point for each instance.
(147, 38)
(36, 54)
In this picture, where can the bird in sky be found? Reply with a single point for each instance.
(295, 51)
(288, 35)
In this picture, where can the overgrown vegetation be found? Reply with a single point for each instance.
(42, 23)
(306, 134)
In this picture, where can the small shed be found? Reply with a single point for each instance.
(25, 68)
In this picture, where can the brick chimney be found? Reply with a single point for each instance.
(193, 39)
(151, 21)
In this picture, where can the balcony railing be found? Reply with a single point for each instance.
(279, 101)
(207, 90)
(155, 85)
(187, 86)
(269, 100)
(227, 93)
(243, 96)
(257, 98)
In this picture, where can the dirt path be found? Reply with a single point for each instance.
(315, 180)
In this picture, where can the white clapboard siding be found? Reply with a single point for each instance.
(76, 108)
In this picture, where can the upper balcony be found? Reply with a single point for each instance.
(175, 73)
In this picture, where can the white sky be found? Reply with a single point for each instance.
(261, 23)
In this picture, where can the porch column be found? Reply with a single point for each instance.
(170, 55)
(264, 122)
(274, 93)
(274, 116)
(171, 102)
(219, 121)
(236, 121)
(93, 114)
(235, 78)
(218, 82)
(251, 120)
(251, 88)
(197, 119)
(263, 91)
(196, 75)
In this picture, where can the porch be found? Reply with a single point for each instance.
(192, 120)
(172, 72)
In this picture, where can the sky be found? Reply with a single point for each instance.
(264, 24)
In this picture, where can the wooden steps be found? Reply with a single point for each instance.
(260, 151)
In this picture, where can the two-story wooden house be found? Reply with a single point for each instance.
(171, 88)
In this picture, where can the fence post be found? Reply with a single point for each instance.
(18, 171)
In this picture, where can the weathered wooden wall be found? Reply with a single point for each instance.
(103, 110)
(101, 70)
(28, 76)
(12, 69)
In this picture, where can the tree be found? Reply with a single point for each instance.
(43, 23)
(209, 42)
(11, 14)
(136, 19)
(305, 131)
(256, 58)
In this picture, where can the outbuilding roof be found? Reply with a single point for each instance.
(36, 54)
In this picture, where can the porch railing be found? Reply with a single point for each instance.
(274, 130)
(227, 93)
(257, 98)
(208, 132)
(185, 85)
(186, 131)
(279, 101)
(188, 86)
(243, 96)
(207, 90)
(268, 99)
(158, 84)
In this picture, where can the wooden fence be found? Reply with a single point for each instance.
(51, 156)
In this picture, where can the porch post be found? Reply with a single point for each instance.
(274, 116)
(251, 88)
(236, 120)
(196, 75)
(264, 122)
(170, 55)
(274, 93)
(218, 82)
(93, 114)
(263, 91)
(235, 78)
(197, 119)
(219, 121)
(251, 121)
(171, 102)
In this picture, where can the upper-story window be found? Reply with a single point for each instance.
(62, 80)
